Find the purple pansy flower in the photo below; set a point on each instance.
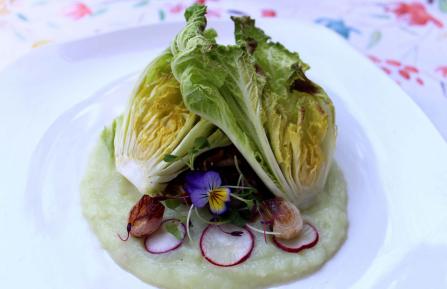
(205, 188)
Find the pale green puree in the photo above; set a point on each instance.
(107, 198)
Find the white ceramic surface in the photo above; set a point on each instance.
(56, 100)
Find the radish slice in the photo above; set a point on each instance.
(226, 245)
(162, 241)
(307, 238)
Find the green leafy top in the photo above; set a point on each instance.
(301, 116)
(228, 95)
(257, 93)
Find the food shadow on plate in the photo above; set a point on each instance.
(367, 206)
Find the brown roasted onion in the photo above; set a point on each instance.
(284, 215)
(145, 217)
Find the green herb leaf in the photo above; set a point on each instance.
(182, 219)
(201, 143)
(172, 228)
(247, 193)
(172, 204)
(170, 158)
(237, 219)
(249, 204)
(108, 137)
(190, 160)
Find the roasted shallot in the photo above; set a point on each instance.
(285, 217)
(145, 217)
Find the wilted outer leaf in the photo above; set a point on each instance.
(299, 117)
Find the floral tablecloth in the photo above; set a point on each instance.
(406, 39)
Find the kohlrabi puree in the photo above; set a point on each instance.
(107, 198)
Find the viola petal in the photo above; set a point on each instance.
(196, 180)
(218, 208)
(199, 200)
(221, 193)
(218, 199)
(199, 196)
(206, 180)
(199, 185)
(213, 179)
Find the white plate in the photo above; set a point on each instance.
(55, 101)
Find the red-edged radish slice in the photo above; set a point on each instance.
(226, 245)
(162, 241)
(307, 238)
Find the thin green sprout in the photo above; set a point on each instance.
(239, 198)
(262, 231)
(241, 175)
(239, 187)
(187, 222)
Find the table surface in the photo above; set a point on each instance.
(406, 39)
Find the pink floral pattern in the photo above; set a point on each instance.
(406, 39)
(442, 70)
(398, 71)
(268, 13)
(414, 14)
(78, 11)
(178, 8)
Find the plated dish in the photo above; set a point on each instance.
(223, 158)
(381, 134)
